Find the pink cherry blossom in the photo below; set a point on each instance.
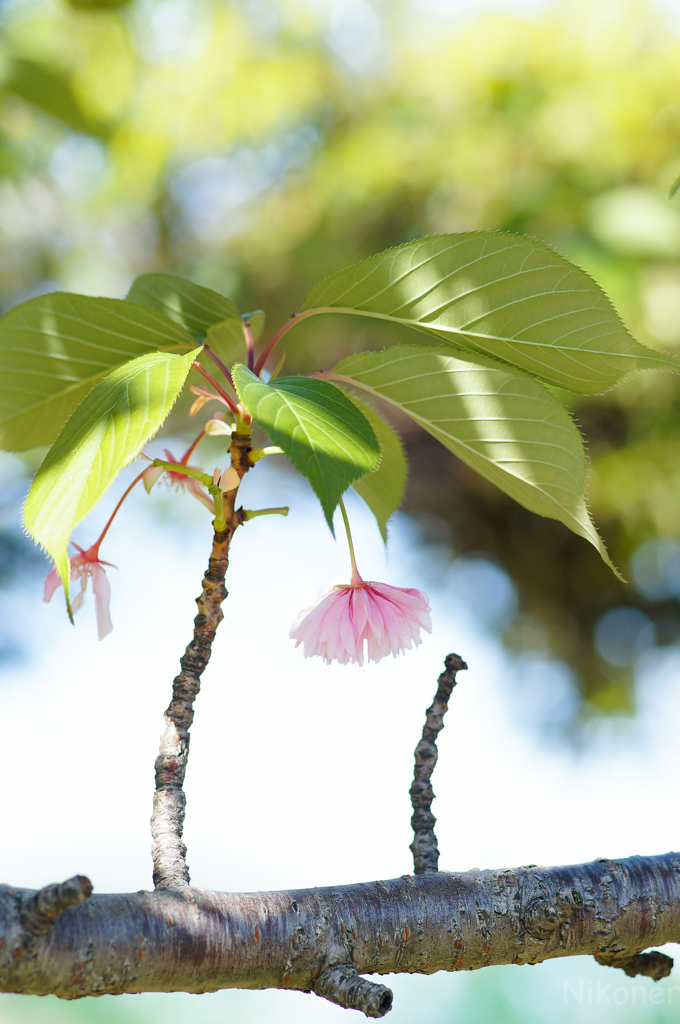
(83, 565)
(388, 618)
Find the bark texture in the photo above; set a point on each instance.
(170, 870)
(322, 940)
(424, 846)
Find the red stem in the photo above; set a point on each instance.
(250, 345)
(218, 388)
(218, 362)
(290, 322)
(192, 447)
(113, 515)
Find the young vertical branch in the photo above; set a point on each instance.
(170, 869)
(424, 846)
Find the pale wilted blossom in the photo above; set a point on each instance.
(83, 565)
(176, 479)
(227, 480)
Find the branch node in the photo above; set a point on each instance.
(543, 914)
(342, 985)
(424, 845)
(653, 965)
(42, 909)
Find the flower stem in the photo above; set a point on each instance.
(219, 522)
(113, 515)
(192, 447)
(254, 513)
(250, 345)
(356, 578)
(259, 453)
(179, 467)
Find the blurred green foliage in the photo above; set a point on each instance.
(258, 146)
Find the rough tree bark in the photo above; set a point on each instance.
(424, 846)
(63, 940)
(322, 940)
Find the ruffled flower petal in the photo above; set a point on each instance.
(389, 620)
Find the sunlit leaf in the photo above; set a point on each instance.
(55, 348)
(104, 434)
(319, 428)
(500, 422)
(507, 297)
(383, 489)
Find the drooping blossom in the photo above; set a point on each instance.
(389, 619)
(86, 564)
(177, 480)
(227, 480)
(83, 565)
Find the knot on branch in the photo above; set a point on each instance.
(543, 914)
(653, 965)
(42, 909)
(342, 985)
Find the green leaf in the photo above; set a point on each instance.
(227, 340)
(50, 91)
(99, 5)
(383, 489)
(104, 434)
(191, 305)
(500, 422)
(506, 297)
(256, 323)
(55, 348)
(319, 428)
(674, 187)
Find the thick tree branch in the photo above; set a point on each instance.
(424, 846)
(170, 869)
(320, 940)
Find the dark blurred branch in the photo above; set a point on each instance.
(424, 846)
(650, 965)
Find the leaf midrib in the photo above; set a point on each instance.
(475, 334)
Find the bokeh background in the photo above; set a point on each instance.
(256, 146)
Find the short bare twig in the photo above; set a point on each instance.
(424, 845)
